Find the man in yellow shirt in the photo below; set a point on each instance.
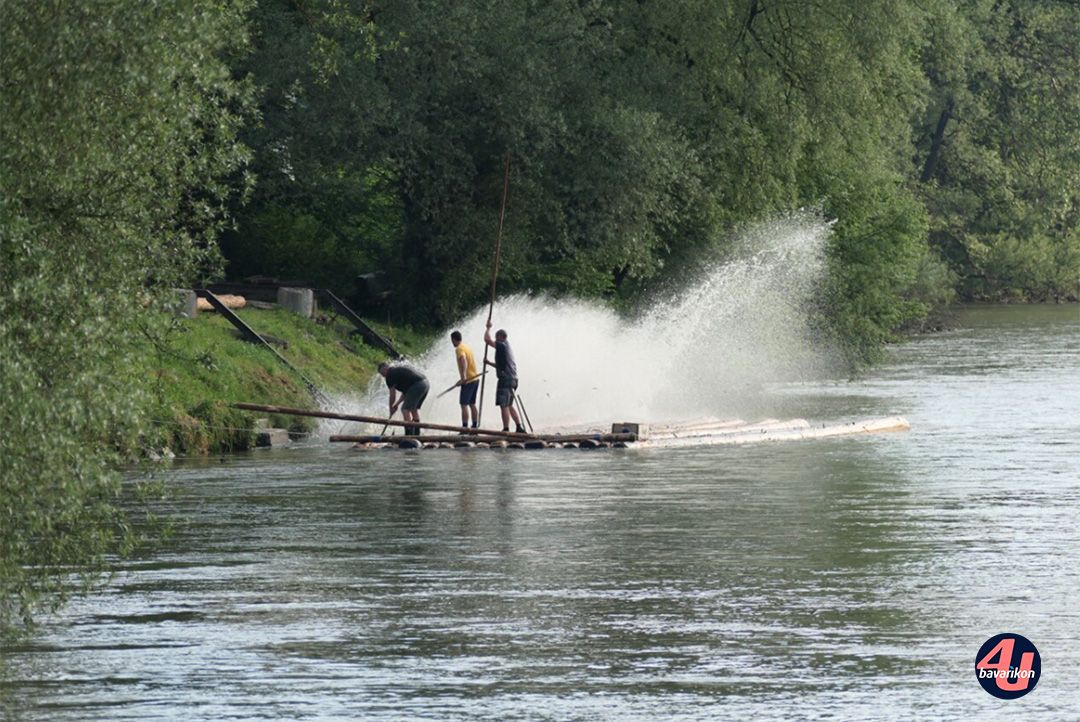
(470, 380)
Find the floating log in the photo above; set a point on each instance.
(375, 420)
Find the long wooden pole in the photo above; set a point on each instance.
(288, 411)
(484, 436)
(462, 383)
(387, 424)
(494, 276)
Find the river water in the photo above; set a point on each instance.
(835, 579)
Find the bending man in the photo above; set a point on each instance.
(413, 387)
(506, 371)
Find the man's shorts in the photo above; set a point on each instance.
(504, 392)
(414, 397)
(468, 393)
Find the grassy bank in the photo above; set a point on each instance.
(203, 365)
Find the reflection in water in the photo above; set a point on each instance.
(849, 578)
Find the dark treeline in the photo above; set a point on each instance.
(327, 138)
(943, 136)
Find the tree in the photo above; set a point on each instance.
(642, 133)
(1000, 145)
(118, 155)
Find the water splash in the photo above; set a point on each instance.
(708, 350)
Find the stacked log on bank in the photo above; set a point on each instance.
(230, 301)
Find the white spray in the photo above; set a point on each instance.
(708, 350)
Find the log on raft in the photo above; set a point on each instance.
(288, 411)
(483, 437)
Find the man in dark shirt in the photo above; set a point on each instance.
(413, 387)
(506, 371)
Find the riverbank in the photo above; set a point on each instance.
(203, 365)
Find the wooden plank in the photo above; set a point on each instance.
(369, 334)
(227, 313)
(251, 335)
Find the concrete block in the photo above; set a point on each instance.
(272, 437)
(631, 427)
(298, 300)
(186, 304)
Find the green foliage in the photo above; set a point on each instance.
(1000, 145)
(326, 241)
(640, 134)
(428, 99)
(876, 252)
(118, 155)
(325, 209)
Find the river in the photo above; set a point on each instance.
(837, 579)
